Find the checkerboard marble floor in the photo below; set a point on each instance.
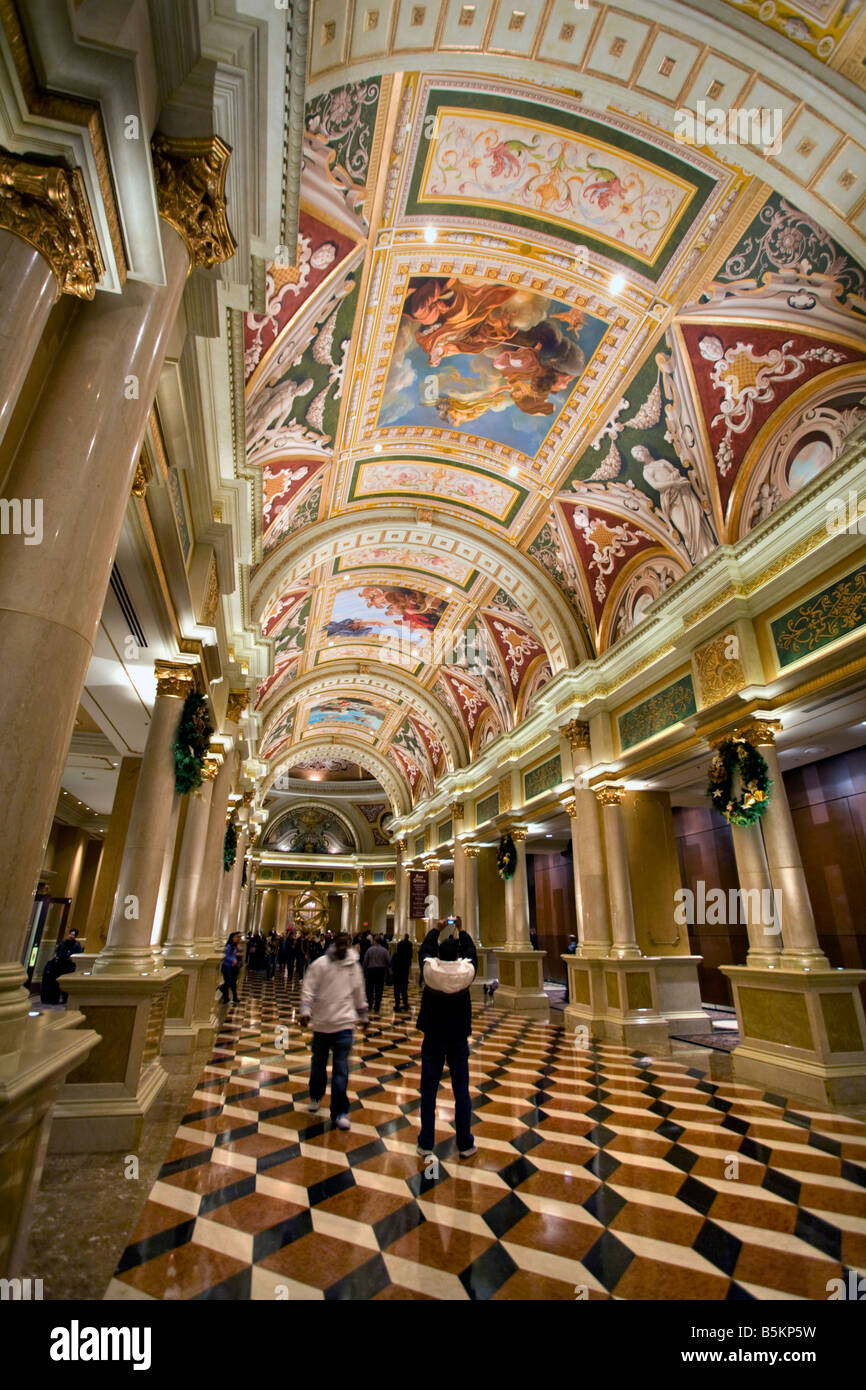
(597, 1171)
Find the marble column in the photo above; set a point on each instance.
(359, 902)
(79, 456)
(46, 248)
(588, 865)
(182, 921)
(213, 873)
(128, 947)
(345, 922)
(457, 810)
(800, 946)
(469, 909)
(401, 894)
(754, 877)
(232, 914)
(623, 938)
(432, 904)
(519, 967)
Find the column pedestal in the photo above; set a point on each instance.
(191, 1009)
(618, 1000)
(521, 981)
(803, 1033)
(105, 1099)
(679, 993)
(29, 1083)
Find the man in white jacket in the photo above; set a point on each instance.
(332, 996)
(445, 1019)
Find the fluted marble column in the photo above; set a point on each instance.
(800, 945)
(588, 865)
(517, 897)
(754, 877)
(623, 938)
(128, 946)
(401, 894)
(345, 920)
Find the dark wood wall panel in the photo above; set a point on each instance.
(552, 911)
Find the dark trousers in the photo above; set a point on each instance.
(375, 982)
(401, 992)
(434, 1056)
(341, 1045)
(230, 983)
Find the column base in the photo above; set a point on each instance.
(803, 1033)
(29, 1084)
(104, 1101)
(521, 982)
(191, 1020)
(617, 1000)
(679, 993)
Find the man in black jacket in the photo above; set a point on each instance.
(445, 1019)
(401, 964)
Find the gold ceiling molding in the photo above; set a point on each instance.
(718, 675)
(190, 192)
(70, 111)
(46, 205)
(174, 679)
(142, 477)
(727, 592)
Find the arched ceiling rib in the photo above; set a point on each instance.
(532, 394)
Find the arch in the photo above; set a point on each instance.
(376, 680)
(533, 590)
(338, 813)
(389, 778)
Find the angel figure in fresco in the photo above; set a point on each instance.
(520, 356)
(417, 610)
(353, 627)
(680, 504)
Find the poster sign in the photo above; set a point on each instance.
(417, 893)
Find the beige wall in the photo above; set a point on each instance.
(491, 900)
(655, 873)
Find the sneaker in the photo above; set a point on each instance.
(467, 1153)
(424, 1153)
(343, 1122)
(313, 1107)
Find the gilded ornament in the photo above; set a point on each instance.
(609, 796)
(519, 833)
(209, 770)
(190, 190)
(571, 808)
(141, 479)
(719, 675)
(212, 595)
(759, 731)
(505, 794)
(471, 851)
(174, 679)
(46, 205)
(457, 809)
(237, 703)
(576, 731)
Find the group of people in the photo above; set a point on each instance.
(335, 995)
(342, 985)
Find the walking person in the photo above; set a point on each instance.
(445, 1019)
(332, 999)
(377, 962)
(401, 966)
(231, 964)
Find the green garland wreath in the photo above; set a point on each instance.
(506, 858)
(191, 743)
(738, 755)
(230, 847)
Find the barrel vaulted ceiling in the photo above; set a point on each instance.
(532, 362)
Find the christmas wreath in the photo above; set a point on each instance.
(191, 743)
(506, 858)
(738, 755)
(230, 847)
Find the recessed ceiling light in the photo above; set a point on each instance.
(617, 284)
(430, 234)
(448, 588)
(549, 835)
(377, 448)
(514, 470)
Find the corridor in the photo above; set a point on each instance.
(599, 1174)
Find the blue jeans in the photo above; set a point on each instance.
(434, 1055)
(323, 1044)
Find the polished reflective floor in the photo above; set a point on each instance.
(599, 1174)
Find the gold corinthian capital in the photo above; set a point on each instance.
(190, 192)
(46, 205)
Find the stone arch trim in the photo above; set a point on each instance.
(391, 683)
(519, 575)
(319, 804)
(386, 773)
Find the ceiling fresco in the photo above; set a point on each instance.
(531, 364)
